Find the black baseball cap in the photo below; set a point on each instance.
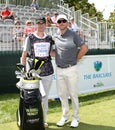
(41, 19)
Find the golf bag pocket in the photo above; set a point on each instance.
(32, 115)
(31, 96)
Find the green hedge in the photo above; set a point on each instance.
(8, 62)
(100, 51)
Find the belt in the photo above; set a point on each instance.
(67, 66)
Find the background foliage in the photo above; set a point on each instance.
(82, 5)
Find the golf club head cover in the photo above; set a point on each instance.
(20, 67)
(38, 64)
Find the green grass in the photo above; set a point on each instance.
(97, 112)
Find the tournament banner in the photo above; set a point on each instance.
(96, 73)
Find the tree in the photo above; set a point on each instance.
(85, 7)
(112, 16)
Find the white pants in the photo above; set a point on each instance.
(46, 81)
(67, 86)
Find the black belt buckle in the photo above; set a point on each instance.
(67, 66)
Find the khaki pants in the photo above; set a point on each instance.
(67, 87)
(46, 81)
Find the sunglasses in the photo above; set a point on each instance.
(62, 21)
(29, 23)
(40, 23)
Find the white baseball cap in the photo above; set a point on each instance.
(61, 16)
(71, 18)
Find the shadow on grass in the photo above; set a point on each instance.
(85, 99)
(82, 126)
(9, 96)
(82, 98)
(96, 95)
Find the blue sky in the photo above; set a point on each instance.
(105, 6)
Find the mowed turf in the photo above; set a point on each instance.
(96, 116)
